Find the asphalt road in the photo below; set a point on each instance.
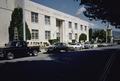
(101, 64)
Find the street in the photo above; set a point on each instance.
(86, 65)
(32, 58)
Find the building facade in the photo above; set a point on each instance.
(44, 23)
(6, 8)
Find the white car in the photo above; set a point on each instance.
(75, 46)
(103, 45)
(87, 45)
(95, 45)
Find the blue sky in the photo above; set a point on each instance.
(70, 7)
(66, 6)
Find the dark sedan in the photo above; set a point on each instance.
(58, 47)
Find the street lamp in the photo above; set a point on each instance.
(24, 29)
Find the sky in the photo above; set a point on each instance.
(70, 7)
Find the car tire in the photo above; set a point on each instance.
(35, 53)
(10, 56)
(29, 54)
(77, 49)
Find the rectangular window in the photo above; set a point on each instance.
(47, 20)
(76, 26)
(58, 35)
(47, 35)
(58, 23)
(35, 34)
(70, 24)
(76, 36)
(34, 17)
(81, 26)
(70, 36)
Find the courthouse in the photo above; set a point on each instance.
(43, 22)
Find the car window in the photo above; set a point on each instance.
(13, 44)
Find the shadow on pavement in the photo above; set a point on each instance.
(67, 66)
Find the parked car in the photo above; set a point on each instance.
(87, 45)
(95, 45)
(75, 46)
(58, 47)
(103, 45)
(18, 48)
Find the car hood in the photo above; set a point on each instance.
(51, 46)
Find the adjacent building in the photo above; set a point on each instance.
(44, 23)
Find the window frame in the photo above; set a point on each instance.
(35, 34)
(34, 17)
(81, 27)
(76, 26)
(47, 35)
(70, 24)
(47, 20)
(85, 28)
(70, 36)
(76, 36)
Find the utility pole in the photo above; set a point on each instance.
(24, 29)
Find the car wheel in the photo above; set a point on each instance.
(29, 54)
(77, 49)
(63, 51)
(66, 50)
(35, 53)
(10, 56)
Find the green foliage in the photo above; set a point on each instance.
(102, 10)
(90, 34)
(52, 41)
(83, 37)
(17, 21)
(28, 34)
(100, 34)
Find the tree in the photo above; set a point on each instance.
(52, 41)
(105, 10)
(100, 34)
(17, 22)
(90, 34)
(83, 37)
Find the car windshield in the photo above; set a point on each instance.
(87, 43)
(72, 44)
(12, 44)
(60, 44)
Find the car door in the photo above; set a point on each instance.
(23, 48)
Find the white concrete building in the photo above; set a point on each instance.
(6, 8)
(44, 23)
